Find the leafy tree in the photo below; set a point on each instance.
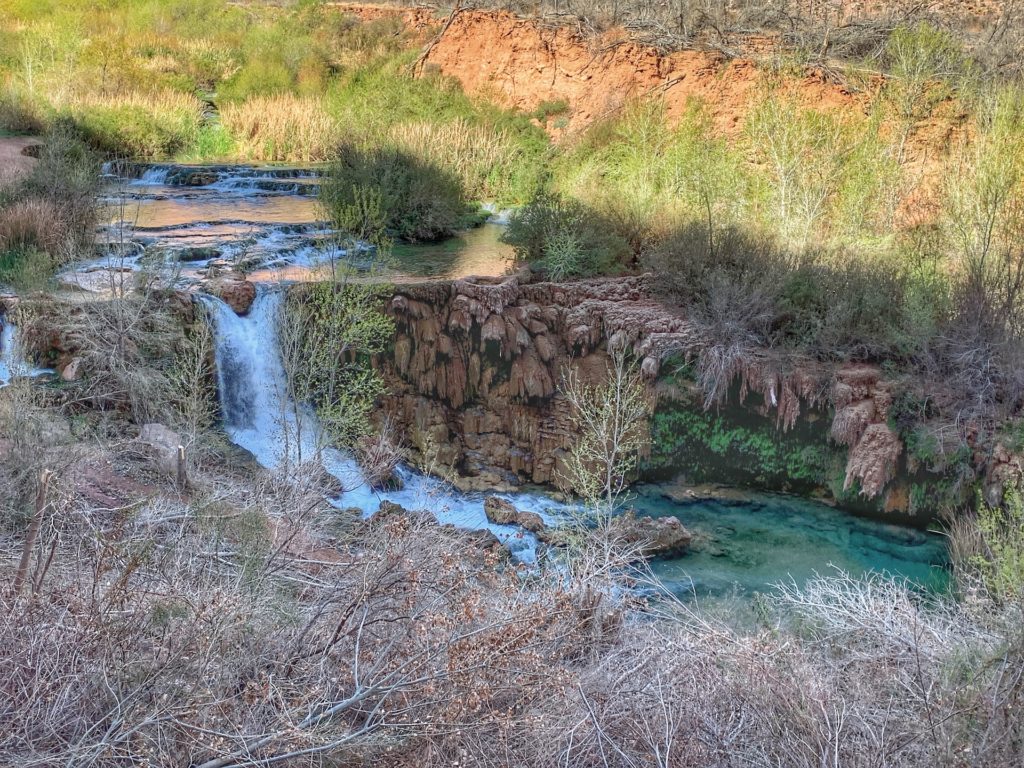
(381, 190)
(565, 239)
(331, 330)
(612, 418)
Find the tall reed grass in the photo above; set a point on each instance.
(485, 158)
(281, 128)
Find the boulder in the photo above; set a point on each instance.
(653, 536)
(502, 512)
(73, 370)
(388, 508)
(485, 541)
(237, 294)
(499, 511)
(161, 443)
(198, 253)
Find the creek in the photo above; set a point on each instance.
(266, 221)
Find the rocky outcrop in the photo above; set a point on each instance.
(474, 379)
(502, 512)
(526, 62)
(162, 445)
(482, 540)
(237, 294)
(651, 536)
(640, 536)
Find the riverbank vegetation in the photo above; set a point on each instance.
(884, 231)
(48, 218)
(166, 601)
(213, 80)
(319, 636)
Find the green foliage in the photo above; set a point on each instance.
(564, 239)
(497, 154)
(368, 192)
(49, 217)
(925, 63)
(645, 176)
(710, 447)
(1001, 559)
(548, 109)
(138, 66)
(25, 269)
(332, 329)
(137, 131)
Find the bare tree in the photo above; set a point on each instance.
(612, 418)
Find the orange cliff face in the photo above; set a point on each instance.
(521, 63)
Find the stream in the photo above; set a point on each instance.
(206, 220)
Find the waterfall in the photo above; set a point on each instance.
(260, 417)
(154, 175)
(10, 363)
(12, 359)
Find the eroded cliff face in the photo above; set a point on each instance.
(474, 380)
(523, 63)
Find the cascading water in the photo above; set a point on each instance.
(751, 544)
(12, 360)
(10, 365)
(260, 417)
(195, 222)
(202, 222)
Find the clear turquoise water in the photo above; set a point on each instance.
(746, 546)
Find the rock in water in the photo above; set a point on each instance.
(499, 511)
(502, 512)
(654, 537)
(237, 294)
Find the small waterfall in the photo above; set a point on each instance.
(153, 175)
(251, 382)
(260, 417)
(11, 364)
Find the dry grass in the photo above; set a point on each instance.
(481, 156)
(30, 223)
(249, 623)
(164, 102)
(282, 128)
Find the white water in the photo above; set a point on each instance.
(10, 363)
(260, 417)
(12, 358)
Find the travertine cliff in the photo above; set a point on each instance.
(474, 379)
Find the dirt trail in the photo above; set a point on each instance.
(14, 162)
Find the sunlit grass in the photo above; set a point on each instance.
(281, 127)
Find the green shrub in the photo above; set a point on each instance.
(143, 125)
(563, 238)
(1000, 559)
(377, 191)
(67, 176)
(25, 268)
(19, 114)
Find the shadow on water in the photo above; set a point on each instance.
(477, 251)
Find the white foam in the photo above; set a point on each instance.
(260, 417)
(13, 364)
